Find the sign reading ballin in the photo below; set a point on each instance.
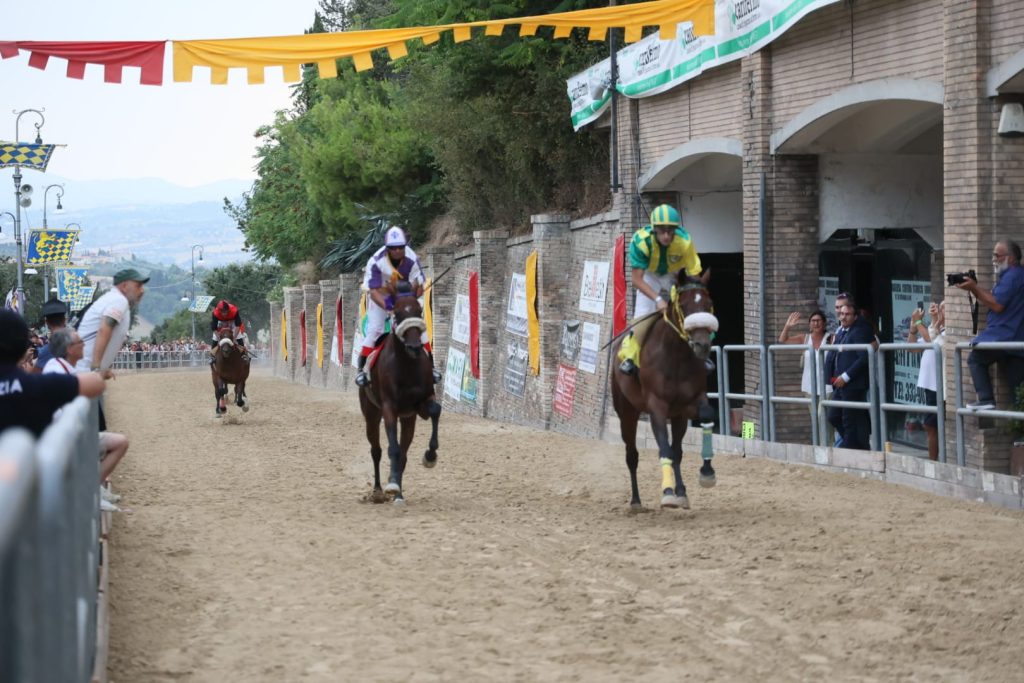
(594, 286)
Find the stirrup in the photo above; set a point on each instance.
(628, 367)
(362, 379)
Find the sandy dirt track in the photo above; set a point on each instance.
(248, 555)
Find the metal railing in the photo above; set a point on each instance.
(735, 396)
(938, 410)
(812, 401)
(871, 404)
(49, 548)
(132, 361)
(958, 380)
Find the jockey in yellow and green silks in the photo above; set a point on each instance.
(657, 252)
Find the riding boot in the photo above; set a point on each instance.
(433, 370)
(362, 379)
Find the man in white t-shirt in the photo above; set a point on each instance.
(105, 325)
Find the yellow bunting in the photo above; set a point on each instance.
(668, 31)
(532, 320)
(324, 48)
(319, 335)
(397, 50)
(255, 75)
(328, 68)
(292, 73)
(363, 61)
(284, 336)
(428, 308)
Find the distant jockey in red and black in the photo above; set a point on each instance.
(226, 314)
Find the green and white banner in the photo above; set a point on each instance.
(652, 66)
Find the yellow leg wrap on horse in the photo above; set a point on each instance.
(668, 477)
(630, 349)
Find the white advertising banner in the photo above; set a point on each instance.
(652, 66)
(594, 286)
(515, 313)
(460, 320)
(455, 365)
(588, 347)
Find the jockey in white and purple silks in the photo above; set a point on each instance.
(393, 263)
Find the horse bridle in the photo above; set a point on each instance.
(692, 321)
(407, 323)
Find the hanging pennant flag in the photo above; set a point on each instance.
(532, 319)
(200, 304)
(428, 308)
(27, 154)
(619, 286)
(324, 49)
(15, 301)
(474, 324)
(357, 337)
(302, 337)
(338, 338)
(68, 282)
(50, 246)
(146, 55)
(284, 335)
(320, 335)
(83, 298)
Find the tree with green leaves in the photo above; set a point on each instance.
(247, 286)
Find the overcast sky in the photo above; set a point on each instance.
(186, 133)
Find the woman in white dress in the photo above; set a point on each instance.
(813, 338)
(935, 332)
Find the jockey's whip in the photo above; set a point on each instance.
(434, 281)
(629, 328)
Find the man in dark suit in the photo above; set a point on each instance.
(847, 371)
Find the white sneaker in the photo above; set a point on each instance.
(108, 495)
(107, 506)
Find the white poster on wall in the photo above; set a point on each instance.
(515, 313)
(460, 320)
(828, 290)
(589, 346)
(594, 286)
(454, 367)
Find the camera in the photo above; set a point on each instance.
(958, 278)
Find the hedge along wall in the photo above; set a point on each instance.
(574, 274)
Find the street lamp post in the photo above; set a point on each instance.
(17, 198)
(193, 305)
(46, 267)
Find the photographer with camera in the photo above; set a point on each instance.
(1004, 322)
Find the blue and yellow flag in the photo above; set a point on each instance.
(29, 154)
(51, 246)
(83, 298)
(69, 280)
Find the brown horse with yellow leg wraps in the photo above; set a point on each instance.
(671, 385)
(229, 366)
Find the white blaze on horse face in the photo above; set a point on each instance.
(696, 299)
(225, 343)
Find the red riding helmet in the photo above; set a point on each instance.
(225, 310)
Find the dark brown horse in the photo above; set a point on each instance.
(229, 367)
(670, 386)
(401, 387)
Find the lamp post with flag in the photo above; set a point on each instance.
(17, 154)
(193, 304)
(46, 196)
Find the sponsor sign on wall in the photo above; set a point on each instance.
(565, 391)
(516, 359)
(588, 348)
(907, 295)
(454, 367)
(515, 313)
(569, 349)
(594, 286)
(460, 319)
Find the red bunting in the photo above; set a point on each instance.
(619, 286)
(147, 55)
(474, 323)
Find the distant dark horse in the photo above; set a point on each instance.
(670, 385)
(401, 387)
(228, 367)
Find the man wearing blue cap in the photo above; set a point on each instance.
(105, 325)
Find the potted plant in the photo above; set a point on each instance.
(1017, 432)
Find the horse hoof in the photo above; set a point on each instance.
(670, 500)
(399, 502)
(245, 407)
(378, 496)
(218, 415)
(707, 481)
(392, 487)
(429, 462)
